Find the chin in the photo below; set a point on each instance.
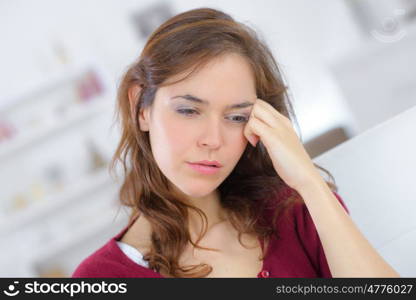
(197, 193)
(197, 190)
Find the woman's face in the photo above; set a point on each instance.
(183, 129)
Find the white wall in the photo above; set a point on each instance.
(378, 79)
(304, 36)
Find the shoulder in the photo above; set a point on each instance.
(298, 214)
(292, 206)
(300, 210)
(101, 263)
(110, 261)
(297, 250)
(308, 237)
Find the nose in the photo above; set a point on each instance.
(212, 136)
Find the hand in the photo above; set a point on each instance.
(289, 157)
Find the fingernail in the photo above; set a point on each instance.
(249, 140)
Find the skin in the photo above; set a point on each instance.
(210, 132)
(209, 135)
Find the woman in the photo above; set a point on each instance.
(204, 202)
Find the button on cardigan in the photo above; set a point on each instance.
(297, 252)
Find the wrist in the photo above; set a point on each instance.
(315, 185)
(310, 179)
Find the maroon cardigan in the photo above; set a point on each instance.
(297, 253)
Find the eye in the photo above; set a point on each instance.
(191, 112)
(186, 111)
(240, 119)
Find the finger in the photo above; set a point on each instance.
(274, 112)
(260, 112)
(256, 129)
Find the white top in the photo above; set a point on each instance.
(133, 254)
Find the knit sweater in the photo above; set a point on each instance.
(297, 252)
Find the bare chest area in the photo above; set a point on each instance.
(228, 262)
(233, 259)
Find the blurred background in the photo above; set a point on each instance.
(350, 67)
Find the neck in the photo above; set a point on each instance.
(211, 206)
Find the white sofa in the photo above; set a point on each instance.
(376, 175)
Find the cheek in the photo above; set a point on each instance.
(239, 142)
(178, 134)
(173, 137)
(170, 137)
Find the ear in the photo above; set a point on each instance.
(134, 94)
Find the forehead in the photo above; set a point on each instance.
(227, 78)
(197, 100)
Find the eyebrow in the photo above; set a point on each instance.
(198, 100)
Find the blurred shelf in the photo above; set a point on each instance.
(73, 191)
(74, 119)
(17, 267)
(76, 238)
(44, 85)
(60, 220)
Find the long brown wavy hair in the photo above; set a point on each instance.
(188, 41)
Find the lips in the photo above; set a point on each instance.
(204, 168)
(214, 166)
(209, 163)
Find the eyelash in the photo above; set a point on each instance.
(186, 112)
